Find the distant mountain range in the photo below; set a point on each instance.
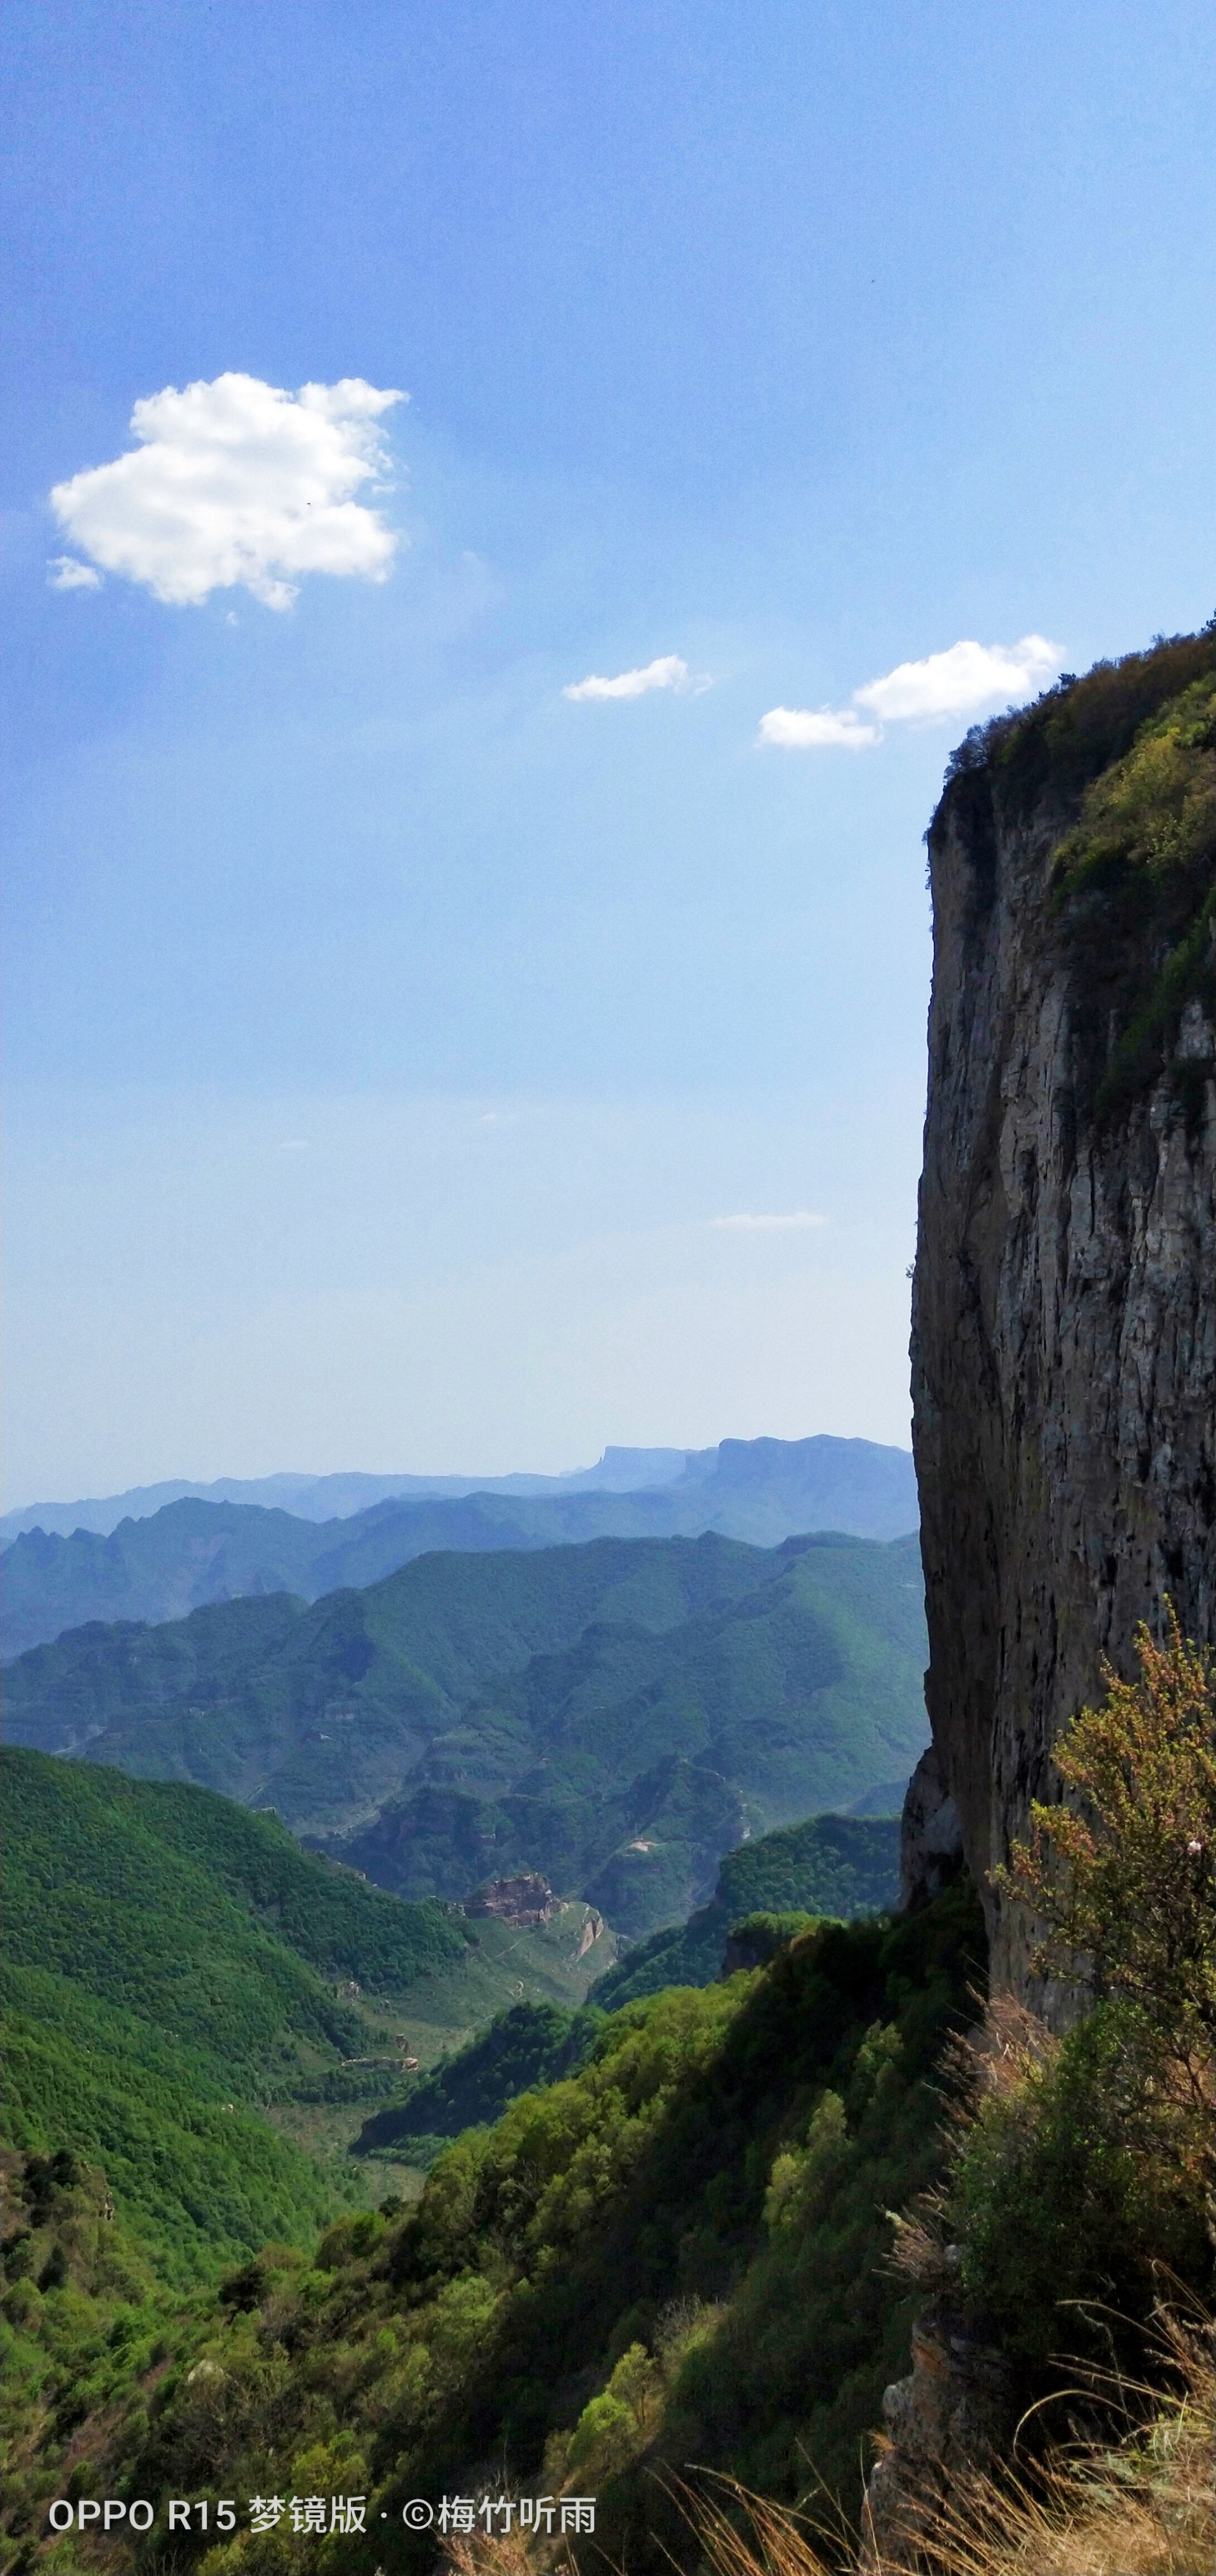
(617, 1714)
(190, 1546)
(326, 1498)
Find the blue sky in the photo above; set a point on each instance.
(389, 1033)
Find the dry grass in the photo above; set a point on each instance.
(505, 2553)
(1142, 2506)
(993, 2057)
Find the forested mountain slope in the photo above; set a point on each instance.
(770, 1889)
(192, 1551)
(841, 1866)
(170, 1963)
(677, 2254)
(174, 1964)
(617, 1715)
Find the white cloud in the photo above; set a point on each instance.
(64, 573)
(958, 682)
(667, 673)
(804, 729)
(236, 482)
(794, 1223)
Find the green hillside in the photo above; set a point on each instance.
(827, 1866)
(530, 2044)
(174, 2046)
(841, 1866)
(627, 1764)
(196, 2175)
(318, 1711)
(677, 2253)
(204, 1920)
(618, 1715)
(172, 1972)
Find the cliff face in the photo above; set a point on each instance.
(1064, 1319)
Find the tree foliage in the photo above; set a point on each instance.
(1083, 2165)
(678, 2252)
(1123, 1882)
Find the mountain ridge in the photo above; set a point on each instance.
(617, 1470)
(193, 1550)
(617, 1714)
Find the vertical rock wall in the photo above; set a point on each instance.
(1064, 1318)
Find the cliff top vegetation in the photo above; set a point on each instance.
(1118, 770)
(1079, 726)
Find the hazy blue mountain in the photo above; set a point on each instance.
(323, 1498)
(616, 1714)
(779, 1486)
(193, 1551)
(188, 1553)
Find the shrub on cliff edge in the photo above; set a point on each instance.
(1083, 2164)
(1123, 1884)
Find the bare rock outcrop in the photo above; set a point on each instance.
(1064, 1319)
(523, 1900)
(949, 2418)
(931, 1842)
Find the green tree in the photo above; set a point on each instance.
(1123, 1883)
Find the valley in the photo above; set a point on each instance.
(190, 1999)
(617, 1714)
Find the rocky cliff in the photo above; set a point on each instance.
(1064, 1319)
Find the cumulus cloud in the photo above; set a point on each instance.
(958, 682)
(807, 729)
(64, 572)
(794, 1223)
(236, 482)
(669, 672)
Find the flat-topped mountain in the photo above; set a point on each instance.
(616, 1715)
(195, 1549)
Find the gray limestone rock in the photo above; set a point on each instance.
(931, 1842)
(950, 2418)
(1064, 1332)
